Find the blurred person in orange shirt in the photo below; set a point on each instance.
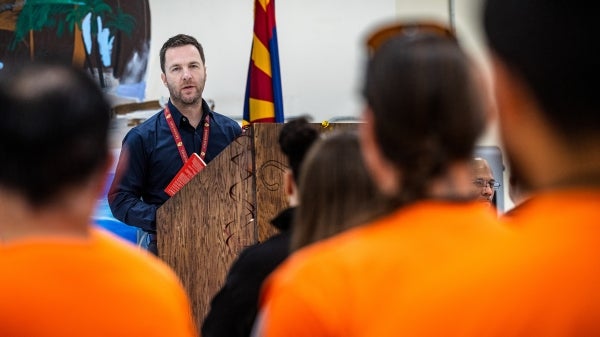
(424, 111)
(61, 276)
(542, 280)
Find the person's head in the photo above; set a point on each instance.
(423, 110)
(295, 138)
(183, 69)
(336, 191)
(53, 132)
(484, 183)
(546, 78)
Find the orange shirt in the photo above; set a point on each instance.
(88, 287)
(350, 285)
(544, 280)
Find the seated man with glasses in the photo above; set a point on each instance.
(484, 185)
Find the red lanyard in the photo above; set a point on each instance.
(177, 136)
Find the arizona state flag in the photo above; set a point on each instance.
(263, 102)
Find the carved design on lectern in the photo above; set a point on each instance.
(271, 181)
(240, 160)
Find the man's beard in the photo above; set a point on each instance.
(177, 97)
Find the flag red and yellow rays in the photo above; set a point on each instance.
(263, 102)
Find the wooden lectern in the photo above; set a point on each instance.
(225, 208)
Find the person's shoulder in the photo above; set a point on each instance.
(144, 130)
(267, 254)
(312, 275)
(276, 242)
(150, 123)
(136, 260)
(557, 208)
(325, 257)
(224, 120)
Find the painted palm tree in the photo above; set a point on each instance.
(37, 15)
(96, 9)
(118, 22)
(62, 15)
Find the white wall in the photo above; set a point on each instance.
(319, 43)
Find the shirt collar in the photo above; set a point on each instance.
(283, 220)
(177, 114)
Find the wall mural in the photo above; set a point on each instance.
(108, 38)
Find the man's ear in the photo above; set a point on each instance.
(522, 130)
(485, 87)
(517, 106)
(288, 182)
(290, 189)
(507, 93)
(104, 174)
(163, 77)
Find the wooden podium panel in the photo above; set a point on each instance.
(269, 165)
(225, 208)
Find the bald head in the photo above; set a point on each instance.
(483, 180)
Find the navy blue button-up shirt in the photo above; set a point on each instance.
(149, 160)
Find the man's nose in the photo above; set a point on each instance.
(487, 190)
(186, 74)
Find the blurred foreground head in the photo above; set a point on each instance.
(546, 75)
(53, 130)
(423, 112)
(554, 61)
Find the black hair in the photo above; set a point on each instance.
(295, 138)
(427, 111)
(53, 130)
(549, 45)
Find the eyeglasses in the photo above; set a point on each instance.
(481, 183)
(407, 29)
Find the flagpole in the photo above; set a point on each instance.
(451, 15)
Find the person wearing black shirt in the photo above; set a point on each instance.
(234, 308)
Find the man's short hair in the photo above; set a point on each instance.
(549, 44)
(178, 41)
(53, 130)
